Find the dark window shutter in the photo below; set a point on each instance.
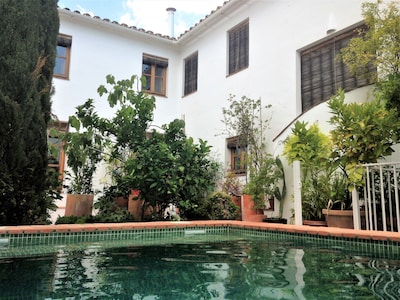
(323, 72)
(191, 64)
(238, 39)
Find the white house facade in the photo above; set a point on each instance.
(253, 48)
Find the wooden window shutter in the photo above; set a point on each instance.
(323, 72)
(191, 65)
(239, 47)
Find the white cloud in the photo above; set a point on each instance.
(82, 10)
(152, 14)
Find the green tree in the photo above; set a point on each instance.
(172, 168)
(165, 168)
(27, 51)
(362, 133)
(244, 119)
(378, 44)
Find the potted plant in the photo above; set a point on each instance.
(312, 148)
(362, 133)
(246, 120)
(266, 183)
(83, 150)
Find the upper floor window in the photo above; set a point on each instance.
(61, 67)
(323, 72)
(154, 69)
(238, 47)
(190, 84)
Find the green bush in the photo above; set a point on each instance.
(219, 206)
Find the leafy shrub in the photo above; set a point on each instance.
(219, 206)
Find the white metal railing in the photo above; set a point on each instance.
(381, 196)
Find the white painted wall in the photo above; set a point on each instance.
(278, 29)
(100, 48)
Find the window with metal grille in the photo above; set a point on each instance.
(238, 153)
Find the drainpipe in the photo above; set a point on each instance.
(171, 12)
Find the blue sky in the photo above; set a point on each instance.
(146, 14)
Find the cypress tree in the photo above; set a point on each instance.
(28, 39)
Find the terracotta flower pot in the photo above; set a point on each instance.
(341, 218)
(79, 205)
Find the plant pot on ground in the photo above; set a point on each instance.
(267, 183)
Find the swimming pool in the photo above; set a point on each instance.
(199, 263)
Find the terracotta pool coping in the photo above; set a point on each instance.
(311, 230)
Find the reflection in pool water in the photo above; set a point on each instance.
(234, 269)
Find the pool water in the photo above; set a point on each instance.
(231, 269)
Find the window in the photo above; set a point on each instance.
(155, 71)
(323, 72)
(237, 155)
(190, 85)
(61, 67)
(56, 155)
(238, 45)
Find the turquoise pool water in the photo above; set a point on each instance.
(203, 267)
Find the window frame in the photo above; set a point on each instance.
(238, 39)
(190, 83)
(65, 41)
(322, 72)
(155, 62)
(233, 144)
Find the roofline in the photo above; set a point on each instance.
(67, 13)
(193, 32)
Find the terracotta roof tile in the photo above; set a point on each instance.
(149, 31)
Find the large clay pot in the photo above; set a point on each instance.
(121, 202)
(79, 205)
(341, 218)
(320, 223)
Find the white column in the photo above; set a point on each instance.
(298, 217)
(356, 209)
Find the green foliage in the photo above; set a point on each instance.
(268, 180)
(378, 45)
(362, 133)
(221, 207)
(232, 185)
(27, 47)
(308, 145)
(127, 129)
(96, 138)
(244, 119)
(84, 152)
(119, 216)
(171, 168)
(319, 178)
(73, 220)
(165, 168)
(320, 188)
